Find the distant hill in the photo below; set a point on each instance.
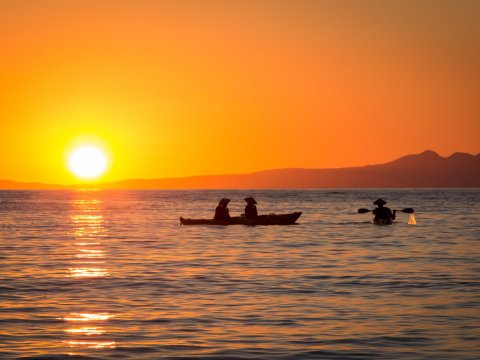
(425, 170)
(17, 185)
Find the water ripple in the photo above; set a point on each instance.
(112, 275)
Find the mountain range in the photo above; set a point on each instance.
(425, 170)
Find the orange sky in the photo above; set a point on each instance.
(178, 88)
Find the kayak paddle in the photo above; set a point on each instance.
(406, 210)
(363, 211)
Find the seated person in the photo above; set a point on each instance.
(221, 212)
(381, 212)
(251, 209)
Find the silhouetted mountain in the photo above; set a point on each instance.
(427, 169)
(17, 185)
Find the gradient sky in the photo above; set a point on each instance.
(178, 88)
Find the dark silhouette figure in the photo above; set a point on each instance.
(251, 209)
(221, 212)
(381, 212)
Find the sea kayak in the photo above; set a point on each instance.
(272, 219)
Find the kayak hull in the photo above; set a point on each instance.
(382, 222)
(274, 219)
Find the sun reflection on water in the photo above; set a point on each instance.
(86, 330)
(90, 263)
(88, 230)
(88, 272)
(88, 317)
(91, 344)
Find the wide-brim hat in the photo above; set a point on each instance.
(224, 201)
(379, 202)
(250, 200)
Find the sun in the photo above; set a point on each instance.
(87, 162)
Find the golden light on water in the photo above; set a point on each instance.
(88, 229)
(89, 256)
(86, 202)
(88, 262)
(95, 252)
(86, 330)
(87, 218)
(91, 344)
(88, 272)
(88, 316)
(87, 225)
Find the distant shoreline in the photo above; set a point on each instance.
(248, 190)
(422, 171)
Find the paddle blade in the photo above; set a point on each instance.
(411, 220)
(408, 210)
(363, 211)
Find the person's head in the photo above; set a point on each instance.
(224, 202)
(250, 201)
(379, 202)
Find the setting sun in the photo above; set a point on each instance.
(87, 162)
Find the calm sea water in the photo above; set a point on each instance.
(112, 275)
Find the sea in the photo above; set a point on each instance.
(111, 274)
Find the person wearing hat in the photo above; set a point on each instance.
(251, 209)
(221, 212)
(382, 212)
